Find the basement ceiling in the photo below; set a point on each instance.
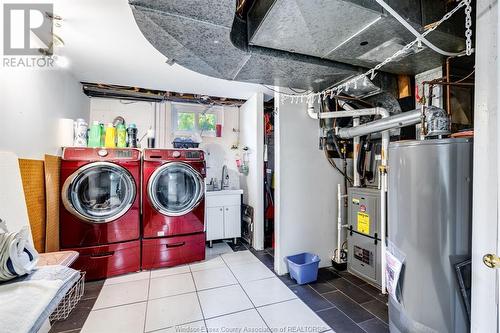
(309, 44)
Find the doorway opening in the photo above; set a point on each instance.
(269, 113)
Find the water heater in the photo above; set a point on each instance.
(429, 230)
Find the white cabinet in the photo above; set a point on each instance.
(223, 214)
(215, 223)
(232, 221)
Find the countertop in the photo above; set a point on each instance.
(224, 192)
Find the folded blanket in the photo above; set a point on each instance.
(27, 302)
(17, 255)
(21, 304)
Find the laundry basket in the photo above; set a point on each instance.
(303, 267)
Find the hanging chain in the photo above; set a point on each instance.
(468, 30)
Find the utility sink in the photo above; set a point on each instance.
(224, 192)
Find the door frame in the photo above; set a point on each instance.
(485, 230)
(251, 135)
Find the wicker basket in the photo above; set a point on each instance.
(69, 301)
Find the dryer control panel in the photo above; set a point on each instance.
(174, 155)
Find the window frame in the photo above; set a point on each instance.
(197, 110)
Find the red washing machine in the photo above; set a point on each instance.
(173, 207)
(100, 210)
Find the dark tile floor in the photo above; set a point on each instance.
(75, 321)
(345, 302)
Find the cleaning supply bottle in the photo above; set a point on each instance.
(132, 136)
(121, 136)
(94, 135)
(110, 137)
(103, 134)
(151, 138)
(80, 133)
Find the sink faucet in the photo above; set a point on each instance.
(225, 178)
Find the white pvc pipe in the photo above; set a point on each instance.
(355, 147)
(310, 111)
(415, 32)
(383, 206)
(339, 222)
(350, 112)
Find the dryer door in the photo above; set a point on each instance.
(175, 189)
(99, 192)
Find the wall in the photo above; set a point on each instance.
(437, 90)
(142, 114)
(31, 102)
(252, 136)
(158, 115)
(305, 188)
(485, 225)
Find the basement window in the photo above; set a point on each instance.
(188, 119)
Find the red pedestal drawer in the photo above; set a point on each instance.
(109, 260)
(172, 251)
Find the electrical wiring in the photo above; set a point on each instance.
(274, 90)
(298, 92)
(466, 77)
(334, 165)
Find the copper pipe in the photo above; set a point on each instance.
(240, 7)
(456, 84)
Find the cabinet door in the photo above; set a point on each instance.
(215, 223)
(232, 221)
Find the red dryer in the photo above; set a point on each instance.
(100, 209)
(173, 207)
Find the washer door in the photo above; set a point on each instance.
(175, 189)
(99, 192)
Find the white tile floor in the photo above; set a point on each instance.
(227, 292)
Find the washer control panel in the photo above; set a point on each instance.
(97, 154)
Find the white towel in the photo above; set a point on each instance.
(21, 304)
(17, 255)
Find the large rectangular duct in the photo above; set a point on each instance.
(357, 32)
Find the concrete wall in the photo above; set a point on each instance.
(305, 188)
(31, 103)
(252, 136)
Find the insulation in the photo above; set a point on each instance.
(203, 36)
(308, 44)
